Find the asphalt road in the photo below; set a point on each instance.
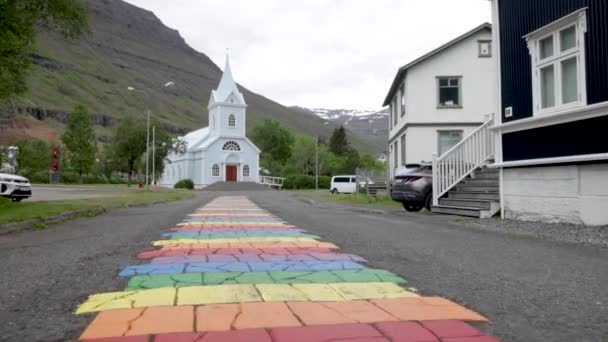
(531, 289)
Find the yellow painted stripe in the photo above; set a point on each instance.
(225, 294)
(240, 223)
(248, 239)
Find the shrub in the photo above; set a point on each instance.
(305, 182)
(185, 184)
(41, 177)
(70, 178)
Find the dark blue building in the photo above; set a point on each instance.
(552, 113)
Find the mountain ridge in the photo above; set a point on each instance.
(130, 46)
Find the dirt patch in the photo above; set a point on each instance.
(14, 129)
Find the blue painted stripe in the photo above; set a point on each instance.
(295, 266)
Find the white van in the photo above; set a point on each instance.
(343, 184)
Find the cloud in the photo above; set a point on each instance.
(318, 53)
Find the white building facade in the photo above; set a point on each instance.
(221, 151)
(438, 99)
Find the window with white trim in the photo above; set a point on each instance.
(449, 91)
(395, 110)
(402, 98)
(231, 120)
(246, 170)
(446, 140)
(215, 170)
(558, 64)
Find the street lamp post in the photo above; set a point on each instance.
(153, 155)
(166, 85)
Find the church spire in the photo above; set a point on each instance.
(227, 84)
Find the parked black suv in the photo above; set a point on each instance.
(415, 189)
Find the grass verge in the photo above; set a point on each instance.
(356, 199)
(25, 211)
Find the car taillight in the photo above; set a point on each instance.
(409, 179)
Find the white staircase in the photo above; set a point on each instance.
(462, 184)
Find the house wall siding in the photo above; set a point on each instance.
(563, 140)
(520, 17)
(569, 193)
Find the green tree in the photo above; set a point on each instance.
(79, 141)
(128, 145)
(276, 143)
(368, 162)
(18, 22)
(303, 158)
(34, 157)
(164, 144)
(351, 161)
(338, 143)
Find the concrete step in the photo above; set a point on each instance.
(462, 211)
(477, 188)
(466, 202)
(474, 195)
(455, 210)
(481, 181)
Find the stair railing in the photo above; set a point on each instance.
(461, 160)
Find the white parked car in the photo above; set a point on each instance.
(343, 184)
(15, 187)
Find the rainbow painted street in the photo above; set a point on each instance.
(234, 272)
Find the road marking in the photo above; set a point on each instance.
(231, 270)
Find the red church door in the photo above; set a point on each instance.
(230, 173)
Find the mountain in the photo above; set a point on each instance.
(129, 46)
(368, 125)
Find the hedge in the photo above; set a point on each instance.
(305, 182)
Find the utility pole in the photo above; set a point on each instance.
(317, 163)
(147, 151)
(153, 154)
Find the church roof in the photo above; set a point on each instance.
(195, 137)
(227, 87)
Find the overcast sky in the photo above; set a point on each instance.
(318, 53)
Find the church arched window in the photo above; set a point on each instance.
(246, 171)
(231, 120)
(231, 146)
(215, 170)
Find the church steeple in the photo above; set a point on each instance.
(227, 91)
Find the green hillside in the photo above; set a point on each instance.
(129, 46)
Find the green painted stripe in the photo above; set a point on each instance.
(225, 278)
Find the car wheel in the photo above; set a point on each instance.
(335, 191)
(16, 199)
(412, 208)
(428, 201)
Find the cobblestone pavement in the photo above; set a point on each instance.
(234, 272)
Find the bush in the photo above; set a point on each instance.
(70, 178)
(305, 182)
(41, 177)
(185, 184)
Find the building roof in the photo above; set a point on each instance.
(401, 72)
(227, 87)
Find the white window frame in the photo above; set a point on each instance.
(402, 98)
(214, 168)
(447, 131)
(578, 19)
(480, 43)
(439, 86)
(396, 110)
(231, 143)
(246, 168)
(231, 120)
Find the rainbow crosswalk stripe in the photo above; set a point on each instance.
(233, 272)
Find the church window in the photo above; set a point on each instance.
(231, 146)
(246, 171)
(231, 120)
(215, 170)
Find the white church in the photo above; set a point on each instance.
(220, 152)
